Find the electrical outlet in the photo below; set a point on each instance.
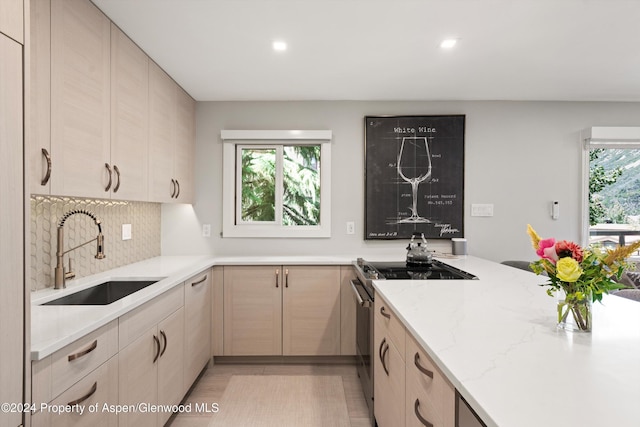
(351, 227)
(126, 231)
(206, 230)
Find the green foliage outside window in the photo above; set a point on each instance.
(300, 186)
(601, 177)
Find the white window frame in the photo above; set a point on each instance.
(235, 139)
(602, 137)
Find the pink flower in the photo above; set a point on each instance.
(565, 248)
(546, 249)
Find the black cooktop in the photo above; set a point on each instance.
(435, 271)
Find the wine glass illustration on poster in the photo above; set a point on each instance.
(414, 176)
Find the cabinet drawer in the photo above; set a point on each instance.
(390, 322)
(427, 384)
(98, 387)
(389, 381)
(77, 359)
(134, 324)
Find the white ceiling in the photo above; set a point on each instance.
(574, 50)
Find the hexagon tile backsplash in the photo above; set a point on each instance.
(46, 212)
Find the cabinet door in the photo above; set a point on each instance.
(311, 311)
(12, 19)
(252, 311)
(389, 380)
(11, 226)
(39, 148)
(129, 118)
(197, 331)
(80, 98)
(171, 363)
(162, 112)
(347, 312)
(138, 378)
(185, 141)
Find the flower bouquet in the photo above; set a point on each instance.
(583, 274)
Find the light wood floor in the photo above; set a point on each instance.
(212, 383)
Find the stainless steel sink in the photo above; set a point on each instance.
(104, 293)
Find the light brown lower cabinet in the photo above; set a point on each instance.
(281, 310)
(197, 325)
(409, 388)
(151, 368)
(388, 371)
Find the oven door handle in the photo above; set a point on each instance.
(355, 284)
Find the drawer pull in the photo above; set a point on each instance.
(422, 369)
(199, 281)
(286, 278)
(384, 340)
(384, 365)
(88, 350)
(117, 171)
(178, 185)
(164, 336)
(106, 165)
(46, 155)
(419, 416)
(384, 313)
(86, 396)
(277, 276)
(157, 341)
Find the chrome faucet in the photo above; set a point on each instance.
(60, 274)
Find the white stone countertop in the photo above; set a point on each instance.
(496, 340)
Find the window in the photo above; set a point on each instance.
(612, 186)
(276, 183)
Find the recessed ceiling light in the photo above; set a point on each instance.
(279, 46)
(448, 43)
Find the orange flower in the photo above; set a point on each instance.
(564, 248)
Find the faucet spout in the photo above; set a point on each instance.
(60, 275)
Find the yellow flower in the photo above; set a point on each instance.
(568, 269)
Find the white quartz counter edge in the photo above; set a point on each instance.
(496, 341)
(53, 327)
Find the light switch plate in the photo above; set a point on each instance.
(126, 231)
(351, 227)
(478, 209)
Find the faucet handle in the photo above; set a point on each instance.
(69, 274)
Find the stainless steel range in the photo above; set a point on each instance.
(367, 272)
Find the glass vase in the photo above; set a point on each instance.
(575, 314)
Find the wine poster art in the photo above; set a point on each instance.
(414, 172)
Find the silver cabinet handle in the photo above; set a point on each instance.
(86, 396)
(178, 184)
(416, 361)
(47, 175)
(199, 281)
(419, 416)
(164, 336)
(277, 276)
(157, 341)
(86, 351)
(106, 165)
(384, 313)
(115, 168)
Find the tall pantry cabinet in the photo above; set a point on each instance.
(12, 208)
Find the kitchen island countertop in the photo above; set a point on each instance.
(496, 340)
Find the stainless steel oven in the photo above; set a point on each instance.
(364, 339)
(366, 273)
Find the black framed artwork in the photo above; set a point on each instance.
(414, 176)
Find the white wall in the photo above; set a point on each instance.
(519, 156)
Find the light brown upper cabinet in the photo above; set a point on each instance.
(80, 99)
(171, 139)
(129, 118)
(11, 19)
(106, 122)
